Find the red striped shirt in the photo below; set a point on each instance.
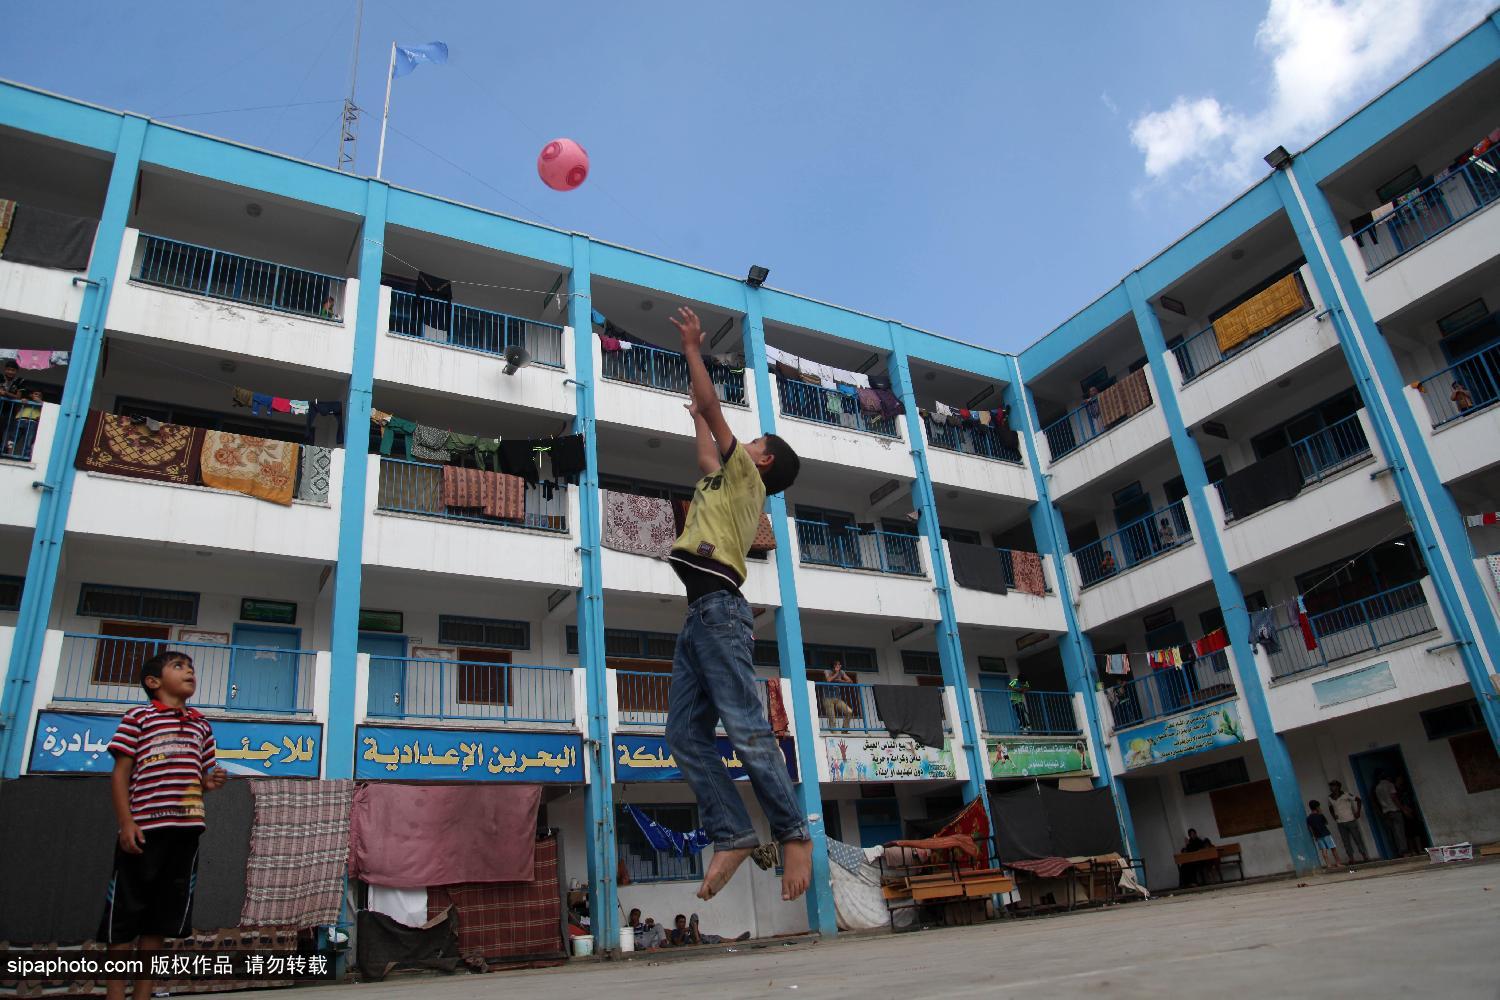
(172, 750)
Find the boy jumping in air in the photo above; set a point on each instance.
(164, 761)
(712, 675)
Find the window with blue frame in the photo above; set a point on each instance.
(920, 663)
(139, 604)
(492, 633)
(644, 862)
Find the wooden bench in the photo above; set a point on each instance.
(1215, 856)
(961, 893)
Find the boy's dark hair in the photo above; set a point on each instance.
(1313, 805)
(154, 666)
(784, 466)
(9, 364)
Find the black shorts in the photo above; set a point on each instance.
(152, 892)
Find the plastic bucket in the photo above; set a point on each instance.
(627, 939)
(583, 947)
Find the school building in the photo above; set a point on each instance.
(1215, 526)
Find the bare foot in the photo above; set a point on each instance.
(796, 868)
(721, 869)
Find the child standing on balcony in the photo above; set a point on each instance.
(164, 763)
(712, 675)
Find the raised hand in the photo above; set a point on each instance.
(688, 325)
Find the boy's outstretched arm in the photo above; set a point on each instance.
(709, 461)
(704, 397)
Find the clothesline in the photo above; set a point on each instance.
(479, 284)
(34, 360)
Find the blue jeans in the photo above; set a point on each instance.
(713, 680)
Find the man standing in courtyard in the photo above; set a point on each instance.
(1391, 817)
(1346, 811)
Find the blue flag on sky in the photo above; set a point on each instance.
(407, 56)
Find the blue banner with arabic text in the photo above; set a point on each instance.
(72, 743)
(402, 754)
(643, 757)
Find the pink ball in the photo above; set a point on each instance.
(563, 164)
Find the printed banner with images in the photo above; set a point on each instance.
(1028, 757)
(885, 758)
(1182, 735)
(389, 752)
(72, 743)
(641, 757)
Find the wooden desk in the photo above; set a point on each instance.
(1215, 856)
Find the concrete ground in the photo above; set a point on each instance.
(1407, 931)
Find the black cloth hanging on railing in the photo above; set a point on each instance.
(907, 710)
(978, 567)
(1273, 479)
(568, 459)
(50, 239)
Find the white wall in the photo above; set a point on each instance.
(866, 592)
(40, 292)
(1013, 609)
(1462, 446)
(875, 453)
(1429, 267)
(1141, 586)
(660, 411)
(979, 474)
(230, 328)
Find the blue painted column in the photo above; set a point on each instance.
(1289, 800)
(820, 911)
(1430, 507)
(57, 488)
(339, 733)
(599, 796)
(950, 646)
(1079, 663)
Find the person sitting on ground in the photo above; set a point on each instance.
(685, 932)
(649, 936)
(1193, 873)
(1317, 824)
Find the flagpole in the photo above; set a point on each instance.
(385, 116)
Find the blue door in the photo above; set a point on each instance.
(263, 670)
(879, 821)
(387, 673)
(994, 703)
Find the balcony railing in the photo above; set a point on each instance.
(1171, 690)
(1478, 378)
(18, 420)
(1116, 404)
(1201, 353)
(1430, 211)
(659, 368)
(849, 548)
(1322, 453)
(411, 688)
(848, 708)
(1371, 623)
(474, 329)
(408, 487)
(1043, 713)
(976, 440)
(222, 275)
(1137, 542)
(642, 696)
(829, 406)
(105, 670)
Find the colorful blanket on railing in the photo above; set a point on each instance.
(141, 449)
(494, 494)
(1127, 397)
(1027, 569)
(1260, 312)
(515, 920)
(642, 525)
(256, 467)
(317, 468)
(299, 845)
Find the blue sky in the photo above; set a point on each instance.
(981, 169)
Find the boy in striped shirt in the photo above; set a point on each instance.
(164, 762)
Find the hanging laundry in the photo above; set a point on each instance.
(379, 418)
(568, 457)
(1213, 642)
(491, 493)
(1309, 638)
(314, 476)
(299, 407)
(781, 725)
(50, 239)
(256, 467)
(663, 839)
(890, 406)
(280, 404)
(1478, 520)
(487, 453)
(122, 447)
(597, 317)
(329, 408)
(460, 446)
(1117, 664)
(427, 443)
(36, 361)
(7, 354)
(7, 215)
(986, 417)
(1026, 567)
(517, 459)
(1263, 630)
(636, 524)
(397, 427)
(260, 401)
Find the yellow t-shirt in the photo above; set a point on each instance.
(723, 517)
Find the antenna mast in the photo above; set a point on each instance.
(349, 127)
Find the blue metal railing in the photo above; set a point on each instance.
(976, 440)
(642, 696)
(105, 670)
(1200, 353)
(1371, 623)
(848, 708)
(474, 328)
(1430, 211)
(1137, 542)
(1045, 713)
(408, 487)
(1322, 453)
(1074, 429)
(849, 548)
(659, 368)
(18, 422)
(829, 406)
(1464, 387)
(222, 275)
(403, 687)
(1171, 690)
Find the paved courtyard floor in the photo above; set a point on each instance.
(1414, 932)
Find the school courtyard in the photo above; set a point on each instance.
(1381, 933)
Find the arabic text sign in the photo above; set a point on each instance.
(647, 758)
(388, 752)
(1025, 757)
(1181, 735)
(70, 743)
(883, 758)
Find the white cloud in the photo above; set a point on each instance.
(1325, 58)
(1109, 103)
